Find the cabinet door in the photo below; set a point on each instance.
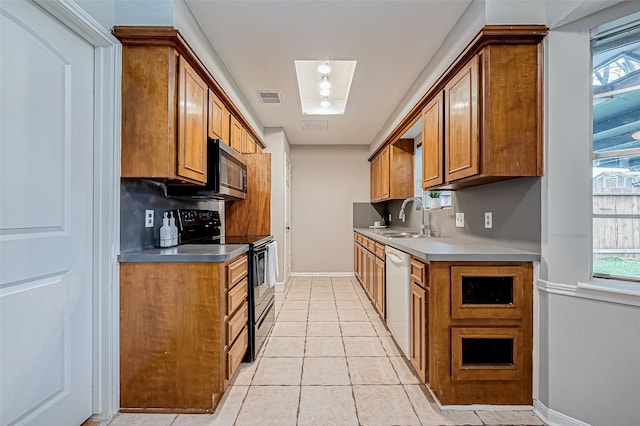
(355, 259)
(432, 144)
(235, 134)
(384, 183)
(375, 176)
(218, 119)
(418, 330)
(251, 144)
(192, 124)
(371, 264)
(243, 141)
(380, 286)
(461, 127)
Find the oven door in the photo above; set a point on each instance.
(262, 293)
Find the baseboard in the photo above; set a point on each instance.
(280, 287)
(322, 274)
(553, 417)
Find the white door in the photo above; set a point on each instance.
(287, 215)
(46, 219)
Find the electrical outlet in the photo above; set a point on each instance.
(488, 220)
(148, 219)
(459, 220)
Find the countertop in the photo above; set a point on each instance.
(186, 253)
(449, 249)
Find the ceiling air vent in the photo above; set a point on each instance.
(270, 96)
(315, 125)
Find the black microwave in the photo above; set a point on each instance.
(226, 176)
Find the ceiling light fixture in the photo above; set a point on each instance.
(324, 68)
(325, 83)
(331, 89)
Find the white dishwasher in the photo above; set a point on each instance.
(398, 266)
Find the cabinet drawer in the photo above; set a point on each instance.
(371, 245)
(237, 270)
(418, 274)
(380, 250)
(236, 323)
(237, 296)
(486, 353)
(487, 291)
(236, 352)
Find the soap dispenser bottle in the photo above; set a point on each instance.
(174, 229)
(165, 232)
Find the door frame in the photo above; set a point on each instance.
(106, 200)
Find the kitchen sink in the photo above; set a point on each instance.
(401, 235)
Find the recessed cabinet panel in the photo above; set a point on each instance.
(192, 124)
(479, 353)
(487, 351)
(486, 291)
(432, 142)
(462, 137)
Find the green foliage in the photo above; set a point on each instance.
(622, 267)
(435, 194)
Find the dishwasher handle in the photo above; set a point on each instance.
(395, 258)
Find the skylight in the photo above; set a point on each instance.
(324, 85)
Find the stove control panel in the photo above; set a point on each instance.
(197, 226)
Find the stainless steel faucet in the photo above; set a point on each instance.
(402, 217)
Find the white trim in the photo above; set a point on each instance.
(553, 417)
(280, 287)
(106, 203)
(593, 290)
(322, 274)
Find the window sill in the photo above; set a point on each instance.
(605, 290)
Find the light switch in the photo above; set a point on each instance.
(459, 220)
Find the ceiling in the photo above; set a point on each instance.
(392, 40)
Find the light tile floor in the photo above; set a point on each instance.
(329, 361)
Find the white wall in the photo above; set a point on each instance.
(326, 180)
(278, 145)
(589, 367)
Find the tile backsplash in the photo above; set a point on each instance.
(138, 195)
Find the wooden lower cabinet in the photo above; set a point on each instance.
(379, 286)
(177, 343)
(369, 269)
(418, 320)
(480, 332)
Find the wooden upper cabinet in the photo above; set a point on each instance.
(392, 172)
(461, 140)
(192, 123)
(432, 142)
(243, 140)
(219, 119)
(170, 105)
(250, 144)
(235, 134)
(162, 139)
(384, 178)
(493, 119)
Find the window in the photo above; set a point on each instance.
(445, 196)
(616, 153)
